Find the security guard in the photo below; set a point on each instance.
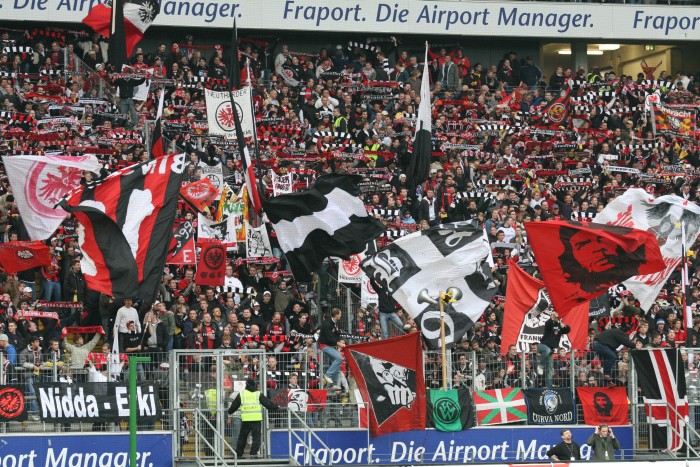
(251, 401)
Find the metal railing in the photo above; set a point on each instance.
(306, 437)
(201, 437)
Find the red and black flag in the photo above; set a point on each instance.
(661, 377)
(556, 113)
(137, 16)
(300, 400)
(182, 247)
(609, 406)
(20, 256)
(211, 267)
(125, 226)
(389, 374)
(528, 307)
(579, 262)
(200, 194)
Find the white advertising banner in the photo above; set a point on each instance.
(523, 19)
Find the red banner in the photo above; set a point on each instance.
(20, 256)
(579, 262)
(389, 374)
(609, 405)
(182, 247)
(199, 194)
(211, 267)
(528, 307)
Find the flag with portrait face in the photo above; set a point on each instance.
(579, 262)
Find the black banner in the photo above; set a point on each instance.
(550, 406)
(96, 402)
(12, 404)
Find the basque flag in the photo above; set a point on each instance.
(138, 16)
(125, 226)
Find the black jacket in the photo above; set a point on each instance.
(613, 338)
(565, 452)
(552, 333)
(330, 334)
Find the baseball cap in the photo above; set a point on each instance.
(4, 338)
(27, 290)
(267, 292)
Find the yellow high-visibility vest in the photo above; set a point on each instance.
(251, 410)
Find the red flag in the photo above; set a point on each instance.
(20, 256)
(138, 16)
(389, 374)
(609, 406)
(199, 194)
(182, 247)
(528, 307)
(579, 262)
(212, 263)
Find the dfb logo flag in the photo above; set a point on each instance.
(125, 226)
(527, 309)
(389, 374)
(661, 377)
(20, 256)
(220, 114)
(416, 268)
(609, 406)
(663, 217)
(211, 267)
(579, 262)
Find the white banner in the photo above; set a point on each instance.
(215, 174)
(663, 217)
(224, 230)
(482, 19)
(281, 183)
(257, 243)
(368, 294)
(349, 271)
(220, 117)
(40, 182)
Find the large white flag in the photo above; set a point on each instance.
(446, 258)
(220, 116)
(39, 182)
(663, 217)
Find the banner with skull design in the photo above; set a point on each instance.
(449, 258)
(389, 375)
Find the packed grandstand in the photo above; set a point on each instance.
(510, 144)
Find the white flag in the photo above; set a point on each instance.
(257, 243)
(40, 182)
(220, 117)
(663, 217)
(281, 183)
(225, 230)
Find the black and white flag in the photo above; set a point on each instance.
(419, 165)
(327, 219)
(257, 243)
(417, 267)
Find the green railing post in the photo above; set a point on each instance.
(133, 402)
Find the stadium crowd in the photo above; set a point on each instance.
(498, 156)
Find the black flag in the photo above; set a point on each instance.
(117, 36)
(419, 166)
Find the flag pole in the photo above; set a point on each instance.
(442, 298)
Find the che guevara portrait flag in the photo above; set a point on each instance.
(579, 262)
